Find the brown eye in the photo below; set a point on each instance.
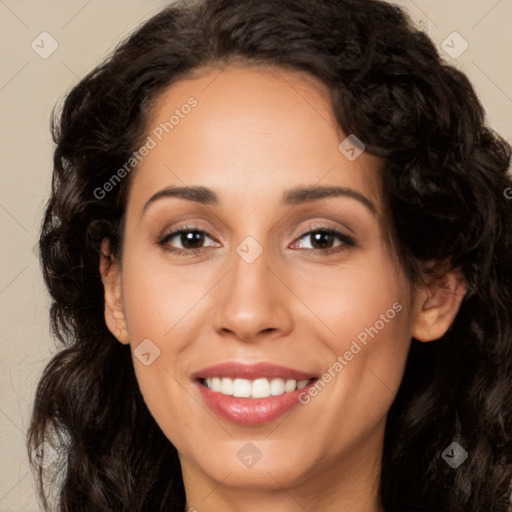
(324, 240)
(186, 240)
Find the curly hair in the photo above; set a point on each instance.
(444, 180)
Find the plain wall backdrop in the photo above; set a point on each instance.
(46, 48)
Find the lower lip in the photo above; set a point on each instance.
(251, 411)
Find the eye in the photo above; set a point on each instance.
(190, 240)
(321, 239)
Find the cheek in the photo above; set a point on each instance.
(357, 298)
(158, 301)
(158, 297)
(366, 307)
(157, 305)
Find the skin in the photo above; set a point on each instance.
(255, 133)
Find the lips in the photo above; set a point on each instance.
(251, 394)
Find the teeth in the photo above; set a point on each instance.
(258, 388)
(241, 388)
(276, 387)
(215, 384)
(226, 386)
(291, 385)
(302, 384)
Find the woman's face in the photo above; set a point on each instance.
(283, 279)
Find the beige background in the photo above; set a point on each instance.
(86, 31)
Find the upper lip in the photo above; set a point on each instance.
(236, 370)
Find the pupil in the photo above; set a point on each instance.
(322, 238)
(191, 238)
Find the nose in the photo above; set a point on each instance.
(253, 301)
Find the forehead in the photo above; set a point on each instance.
(249, 131)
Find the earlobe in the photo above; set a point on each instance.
(111, 277)
(438, 305)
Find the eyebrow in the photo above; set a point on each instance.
(294, 196)
(300, 195)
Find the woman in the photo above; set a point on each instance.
(279, 251)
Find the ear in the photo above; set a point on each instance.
(437, 305)
(111, 276)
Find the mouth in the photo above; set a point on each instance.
(251, 394)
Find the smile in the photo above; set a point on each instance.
(251, 394)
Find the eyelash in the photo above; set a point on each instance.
(346, 240)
